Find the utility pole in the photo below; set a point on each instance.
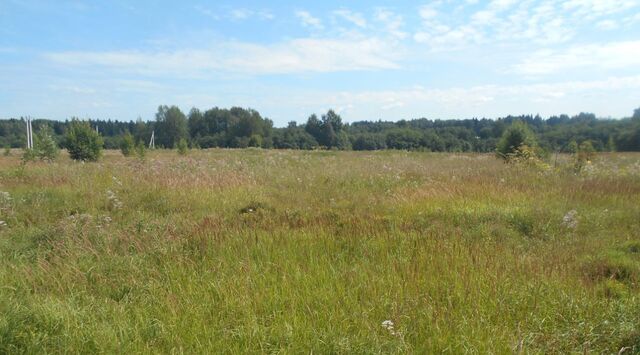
(152, 142)
(29, 133)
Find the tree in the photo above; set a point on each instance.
(636, 114)
(44, 146)
(514, 138)
(83, 142)
(127, 145)
(171, 126)
(183, 147)
(314, 128)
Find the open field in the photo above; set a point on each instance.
(297, 252)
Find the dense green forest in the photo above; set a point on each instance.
(240, 128)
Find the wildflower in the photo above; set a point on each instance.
(5, 196)
(114, 200)
(3, 224)
(570, 220)
(388, 325)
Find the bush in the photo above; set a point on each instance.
(183, 147)
(141, 151)
(584, 155)
(82, 142)
(7, 150)
(513, 139)
(127, 146)
(44, 146)
(29, 155)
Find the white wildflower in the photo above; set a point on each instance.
(570, 220)
(114, 200)
(3, 224)
(388, 325)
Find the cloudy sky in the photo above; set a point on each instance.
(368, 60)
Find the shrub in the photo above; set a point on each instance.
(29, 155)
(7, 150)
(82, 142)
(45, 147)
(127, 145)
(513, 139)
(584, 155)
(183, 147)
(141, 151)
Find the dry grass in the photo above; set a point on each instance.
(279, 251)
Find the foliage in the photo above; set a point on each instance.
(83, 142)
(7, 151)
(128, 145)
(182, 146)
(515, 137)
(29, 155)
(238, 127)
(171, 126)
(583, 156)
(141, 151)
(44, 146)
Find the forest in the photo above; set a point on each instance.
(241, 128)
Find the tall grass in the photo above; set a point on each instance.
(252, 251)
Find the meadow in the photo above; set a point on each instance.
(266, 251)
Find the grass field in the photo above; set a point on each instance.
(257, 251)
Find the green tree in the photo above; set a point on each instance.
(514, 138)
(171, 126)
(127, 145)
(83, 142)
(44, 146)
(141, 151)
(183, 147)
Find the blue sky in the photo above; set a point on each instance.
(368, 60)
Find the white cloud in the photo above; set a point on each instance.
(614, 55)
(308, 20)
(392, 23)
(353, 17)
(544, 22)
(295, 56)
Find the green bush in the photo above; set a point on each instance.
(82, 142)
(513, 139)
(183, 147)
(29, 155)
(44, 146)
(141, 151)
(127, 145)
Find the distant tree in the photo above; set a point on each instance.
(514, 138)
(171, 126)
(83, 142)
(369, 141)
(196, 123)
(127, 145)
(314, 128)
(404, 139)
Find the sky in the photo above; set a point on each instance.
(367, 60)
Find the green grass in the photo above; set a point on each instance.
(252, 251)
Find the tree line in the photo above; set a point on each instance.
(240, 128)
